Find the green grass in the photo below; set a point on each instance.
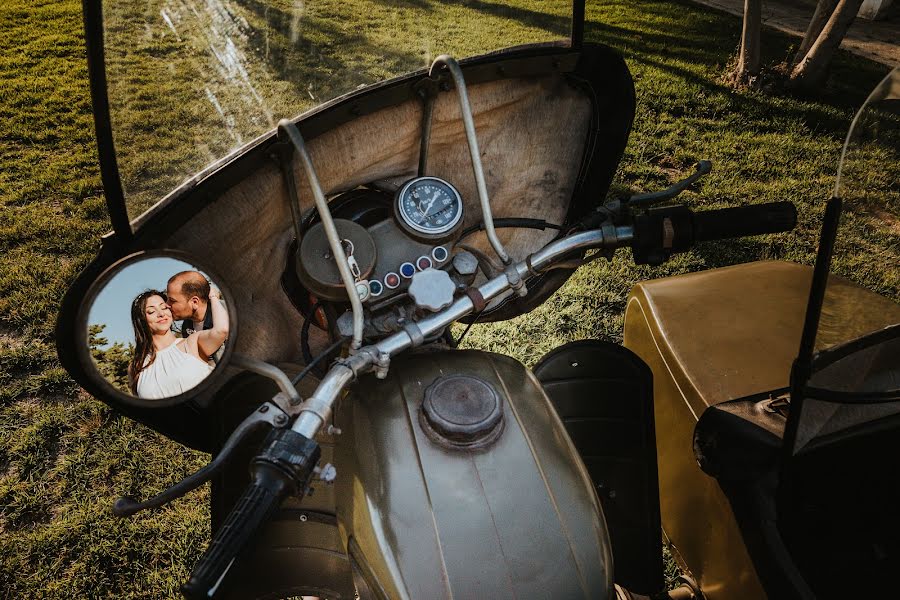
(65, 457)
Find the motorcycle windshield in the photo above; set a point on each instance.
(867, 247)
(192, 81)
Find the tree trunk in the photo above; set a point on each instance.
(748, 60)
(823, 12)
(810, 71)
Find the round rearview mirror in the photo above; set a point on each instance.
(157, 328)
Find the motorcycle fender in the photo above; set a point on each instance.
(517, 518)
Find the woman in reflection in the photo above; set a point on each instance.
(165, 365)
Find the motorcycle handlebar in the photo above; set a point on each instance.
(260, 499)
(661, 232)
(741, 221)
(287, 461)
(284, 466)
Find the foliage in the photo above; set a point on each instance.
(65, 457)
(112, 362)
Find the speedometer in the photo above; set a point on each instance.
(428, 207)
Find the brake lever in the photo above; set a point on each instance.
(267, 414)
(644, 200)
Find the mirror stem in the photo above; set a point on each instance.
(274, 373)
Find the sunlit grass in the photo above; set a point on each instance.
(65, 457)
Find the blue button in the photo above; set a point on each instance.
(407, 270)
(439, 254)
(375, 287)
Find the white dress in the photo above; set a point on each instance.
(172, 373)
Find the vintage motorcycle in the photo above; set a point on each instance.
(385, 462)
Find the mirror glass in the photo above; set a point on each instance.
(157, 327)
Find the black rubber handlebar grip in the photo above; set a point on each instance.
(259, 501)
(284, 466)
(756, 219)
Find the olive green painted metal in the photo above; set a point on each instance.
(518, 518)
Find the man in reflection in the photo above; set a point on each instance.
(188, 296)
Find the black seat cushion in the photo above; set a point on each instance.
(603, 393)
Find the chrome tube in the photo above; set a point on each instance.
(289, 130)
(469, 124)
(318, 407)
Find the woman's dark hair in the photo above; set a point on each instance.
(143, 337)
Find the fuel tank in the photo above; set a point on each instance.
(456, 479)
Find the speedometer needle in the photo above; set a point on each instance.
(431, 203)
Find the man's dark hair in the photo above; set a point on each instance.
(193, 284)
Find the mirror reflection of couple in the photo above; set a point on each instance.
(165, 364)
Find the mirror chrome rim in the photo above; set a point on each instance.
(82, 346)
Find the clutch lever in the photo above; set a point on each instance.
(644, 200)
(267, 414)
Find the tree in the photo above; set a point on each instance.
(112, 362)
(809, 65)
(823, 36)
(748, 64)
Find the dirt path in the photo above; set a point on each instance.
(876, 40)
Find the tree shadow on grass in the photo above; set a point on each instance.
(695, 45)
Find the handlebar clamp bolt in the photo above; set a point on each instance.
(382, 364)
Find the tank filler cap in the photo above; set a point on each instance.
(462, 412)
(432, 289)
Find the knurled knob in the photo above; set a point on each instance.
(432, 289)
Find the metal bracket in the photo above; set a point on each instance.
(415, 334)
(515, 281)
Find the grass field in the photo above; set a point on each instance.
(65, 457)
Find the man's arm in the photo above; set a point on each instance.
(209, 340)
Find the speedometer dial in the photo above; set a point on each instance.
(428, 207)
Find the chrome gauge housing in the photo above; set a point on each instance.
(428, 208)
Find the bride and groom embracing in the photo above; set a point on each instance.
(168, 362)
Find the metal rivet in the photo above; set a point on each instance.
(264, 408)
(303, 517)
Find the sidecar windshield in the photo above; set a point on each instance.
(867, 248)
(191, 81)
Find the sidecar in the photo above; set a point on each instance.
(777, 391)
(187, 97)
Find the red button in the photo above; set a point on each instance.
(391, 280)
(423, 263)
